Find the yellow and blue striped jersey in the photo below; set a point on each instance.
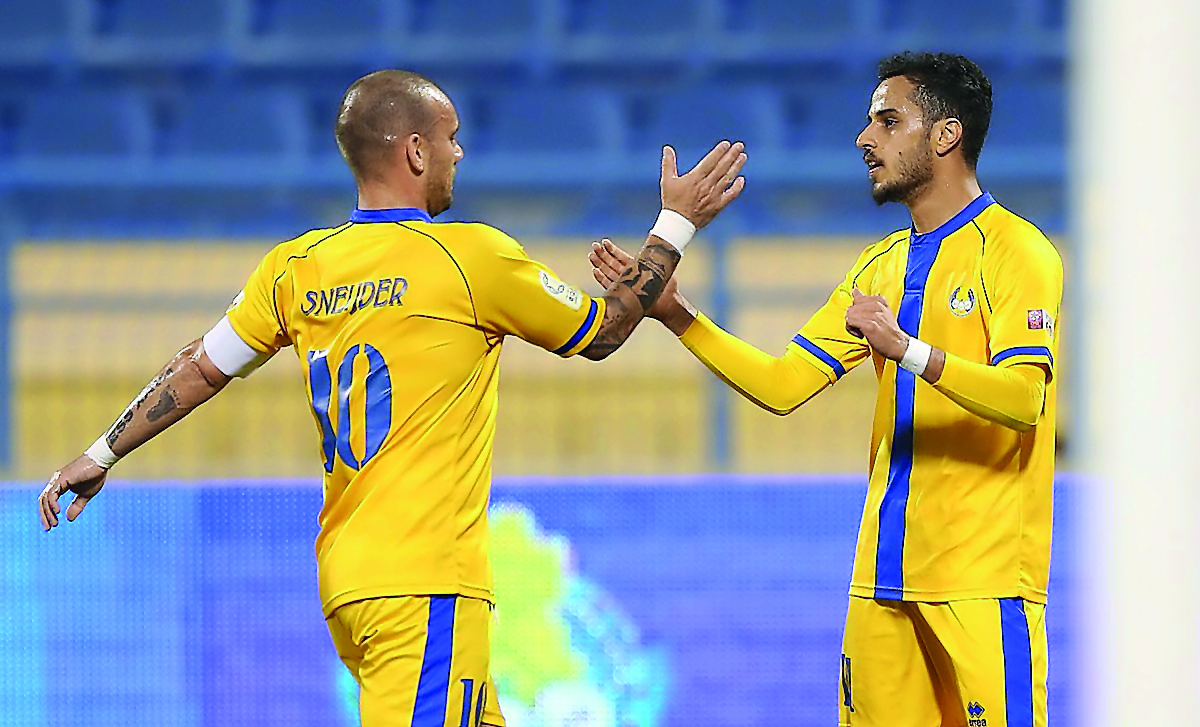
(398, 322)
(957, 507)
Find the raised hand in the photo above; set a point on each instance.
(708, 188)
(81, 476)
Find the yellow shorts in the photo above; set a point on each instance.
(976, 663)
(420, 661)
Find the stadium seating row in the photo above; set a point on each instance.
(141, 122)
(281, 32)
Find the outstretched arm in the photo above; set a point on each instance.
(187, 381)
(778, 384)
(689, 203)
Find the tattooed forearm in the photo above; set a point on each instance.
(631, 296)
(181, 386)
(166, 404)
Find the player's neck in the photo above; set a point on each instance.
(379, 197)
(941, 200)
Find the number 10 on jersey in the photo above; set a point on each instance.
(378, 409)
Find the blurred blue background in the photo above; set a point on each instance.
(152, 150)
(705, 600)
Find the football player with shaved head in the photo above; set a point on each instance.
(397, 322)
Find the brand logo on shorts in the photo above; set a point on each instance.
(975, 717)
(961, 304)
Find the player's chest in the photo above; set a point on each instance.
(937, 293)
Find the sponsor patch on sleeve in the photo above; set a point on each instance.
(1041, 320)
(560, 291)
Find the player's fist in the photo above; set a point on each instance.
(870, 317)
(81, 476)
(700, 194)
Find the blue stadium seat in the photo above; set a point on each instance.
(156, 20)
(254, 121)
(82, 123)
(825, 113)
(604, 33)
(33, 31)
(770, 19)
(565, 120)
(447, 33)
(1028, 110)
(153, 32)
(312, 33)
(956, 25)
(472, 18)
(317, 20)
(693, 119)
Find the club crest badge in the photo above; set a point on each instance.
(962, 302)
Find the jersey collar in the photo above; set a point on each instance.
(398, 215)
(955, 223)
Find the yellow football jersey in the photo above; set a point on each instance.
(957, 507)
(398, 322)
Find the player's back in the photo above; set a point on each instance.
(398, 324)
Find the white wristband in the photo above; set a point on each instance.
(101, 453)
(673, 229)
(916, 356)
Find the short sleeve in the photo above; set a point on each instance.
(254, 314)
(515, 295)
(1023, 286)
(824, 340)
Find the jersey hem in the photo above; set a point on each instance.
(438, 589)
(909, 594)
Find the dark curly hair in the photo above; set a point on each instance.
(948, 85)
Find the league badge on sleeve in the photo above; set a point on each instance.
(1041, 320)
(560, 291)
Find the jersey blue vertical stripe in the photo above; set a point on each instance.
(1023, 351)
(889, 556)
(433, 688)
(587, 324)
(838, 369)
(893, 511)
(1018, 663)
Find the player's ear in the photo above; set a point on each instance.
(947, 135)
(414, 154)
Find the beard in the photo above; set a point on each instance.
(912, 175)
(441, 192)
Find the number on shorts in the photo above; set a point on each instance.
(468, 688)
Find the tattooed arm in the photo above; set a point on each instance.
(187, 381)
(699, 196)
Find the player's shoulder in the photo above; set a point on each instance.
(303, 244)
(475, 241)
(888, 245)
(1008, 233)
